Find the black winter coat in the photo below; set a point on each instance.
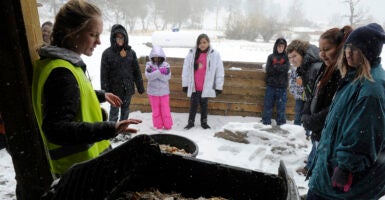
(120, 75)
(316, 110)
(61, 106)
(277, 67)
(308, 70)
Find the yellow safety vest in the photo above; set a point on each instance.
(60, 157)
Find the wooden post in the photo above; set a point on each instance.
(20, 35)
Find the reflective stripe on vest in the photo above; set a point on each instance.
(63, 157)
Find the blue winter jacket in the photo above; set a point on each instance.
(353, 139)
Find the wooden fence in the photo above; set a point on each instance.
(243, 91)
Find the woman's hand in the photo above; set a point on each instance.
(122, 126)
(113, 99)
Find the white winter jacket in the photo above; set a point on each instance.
(215, 74)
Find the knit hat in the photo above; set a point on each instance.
(369, 39)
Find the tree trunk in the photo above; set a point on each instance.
(20, 35)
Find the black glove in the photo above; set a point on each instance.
(184, 89)
(141, 90)
(217, 92)
(342, 179)
(305, 119)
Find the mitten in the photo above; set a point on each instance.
(217, 92)
(342, 179)
(163, 70)
(184, 89)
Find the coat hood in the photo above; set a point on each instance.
(157, 51)
(277, 42)
(117, 28)
(311, 55)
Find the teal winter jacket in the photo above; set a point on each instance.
(353, 139)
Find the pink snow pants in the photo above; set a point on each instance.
(161, 114)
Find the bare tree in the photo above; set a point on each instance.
(216, 6)
(296, 16)
(242, 27)
(143, 15)
(196, 13)
(356, 15)
(268, 27)
(253, 7)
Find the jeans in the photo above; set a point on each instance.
(312, 196)
(124, 110)
(278, 96)
(298, 113)
(312, 153)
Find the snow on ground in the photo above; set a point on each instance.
(266, 148)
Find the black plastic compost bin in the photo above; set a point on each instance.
(177, 141)
(138, 165)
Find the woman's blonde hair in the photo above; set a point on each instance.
(363, 69)
(71, 20)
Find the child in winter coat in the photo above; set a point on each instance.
(158, 74)
(300, 98)
(120, 72)
(277, 68)
(202, 77)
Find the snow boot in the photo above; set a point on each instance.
(189, 125)
(204, 123)
(205, 126)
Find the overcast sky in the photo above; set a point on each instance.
(323, 10)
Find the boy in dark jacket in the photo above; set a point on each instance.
(305, 57)
(277, 68)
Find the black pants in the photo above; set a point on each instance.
(2, 141)
(195, 100)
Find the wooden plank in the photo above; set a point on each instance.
(248, 74)
(178, 62)
(243, 91)
(32, 27)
